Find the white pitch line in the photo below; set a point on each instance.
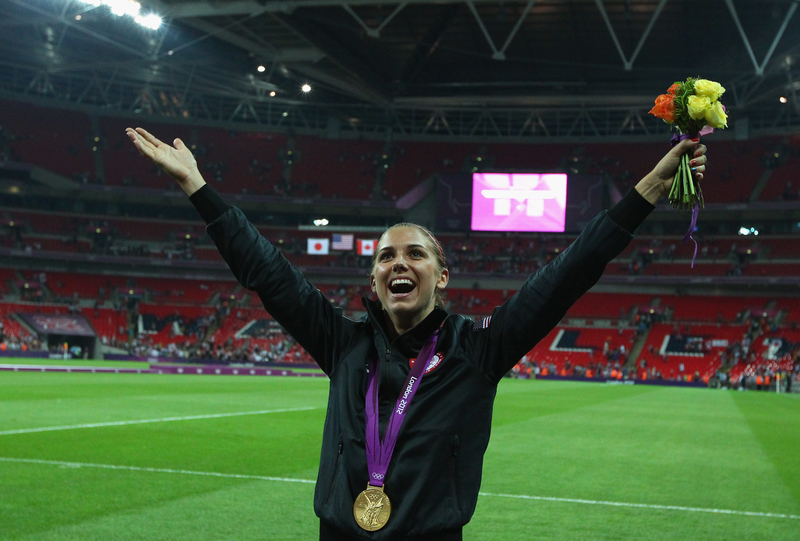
(644, 505)
(486, 494)
(153, 470)
(146, 421)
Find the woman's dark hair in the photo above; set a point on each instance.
(436, 249)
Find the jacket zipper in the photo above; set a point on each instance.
(456, 446)
(336, 470)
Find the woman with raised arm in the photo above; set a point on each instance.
(411, 386)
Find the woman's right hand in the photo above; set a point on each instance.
(177, 161)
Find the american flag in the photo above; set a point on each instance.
(342, 242)
(482, 324)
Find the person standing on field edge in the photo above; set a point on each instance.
(411, 386)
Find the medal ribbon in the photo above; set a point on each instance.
(379, 453)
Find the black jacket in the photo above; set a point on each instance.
(435, 473)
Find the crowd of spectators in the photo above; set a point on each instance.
(198, 340)
(279, 348)
(17, 341)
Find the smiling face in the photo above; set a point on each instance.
(406, 274)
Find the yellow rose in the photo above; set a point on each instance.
(716, 116)
(697, 106)
(708, 89)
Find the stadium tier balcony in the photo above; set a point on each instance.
(790, 307)
(46, 137)
(772, 269)
(696, 348)
(253, 162)
(240, 162)
(6, 276)
(783, 247)
(607, 305)
(781, 159)
(474, 301)
(480, 254)
(773, 351)
(46, 222)
(704, 308)
(180, 291)
(413, 162)
(336, 168)
(106, 321)
(12, 329)
(582, 347)
(86, 286)
(739, 173)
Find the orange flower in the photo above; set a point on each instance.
(664, 108)
(673, 89)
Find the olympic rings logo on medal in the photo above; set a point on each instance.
(377, 476)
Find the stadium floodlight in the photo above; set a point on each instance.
(130, 8)
(123, 7)
(151, 21)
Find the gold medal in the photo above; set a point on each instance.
(372, 509)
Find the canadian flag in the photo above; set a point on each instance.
(366, 247)
(318, 246)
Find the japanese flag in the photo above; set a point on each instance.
(366, 247)
(318, 246)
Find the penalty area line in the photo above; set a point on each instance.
(78, 465)
(147, 421)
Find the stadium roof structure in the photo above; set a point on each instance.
(543, 70)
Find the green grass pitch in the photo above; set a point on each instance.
(678, 454)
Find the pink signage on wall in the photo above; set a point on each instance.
(519, 202)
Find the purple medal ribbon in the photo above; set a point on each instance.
(688, 235)
(379, 454)
(677, 138)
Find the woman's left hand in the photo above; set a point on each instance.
(659, 181)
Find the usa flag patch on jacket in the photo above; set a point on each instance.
(482, 324)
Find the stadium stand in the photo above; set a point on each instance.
(136, 304)
(254, 162)
(781, 158)
(29, 128)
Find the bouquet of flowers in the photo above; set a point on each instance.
(693, 108)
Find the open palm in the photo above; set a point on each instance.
(177, 161)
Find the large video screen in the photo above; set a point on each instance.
(519, 202)
(586, 195)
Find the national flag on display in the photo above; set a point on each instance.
(342, 242)
(318, 246)
(366, 247)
